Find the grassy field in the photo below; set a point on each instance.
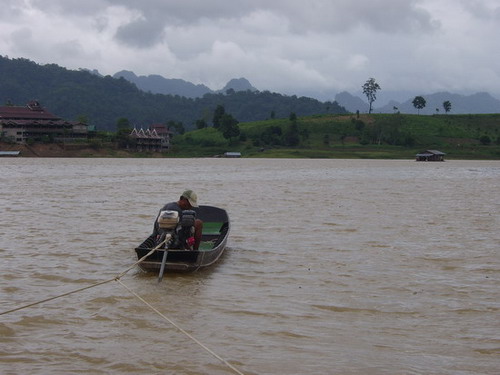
(379, 136)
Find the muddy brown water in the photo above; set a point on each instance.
(332, 267)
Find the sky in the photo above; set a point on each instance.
(316, 47)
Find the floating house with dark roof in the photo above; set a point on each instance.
(430, 155)
(21, 123)
(232, 154)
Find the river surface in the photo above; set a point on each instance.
(332, 267)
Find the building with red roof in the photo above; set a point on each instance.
(22, 123)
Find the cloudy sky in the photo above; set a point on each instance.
(302, 47)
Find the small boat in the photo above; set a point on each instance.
(213, 242)
(10, 153)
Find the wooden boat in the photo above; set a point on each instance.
(213, 242)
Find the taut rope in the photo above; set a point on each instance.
(181, 329)
(117, 279)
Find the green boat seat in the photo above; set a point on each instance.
(212, 228)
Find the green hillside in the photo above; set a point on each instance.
(102, 101)
(385, 136)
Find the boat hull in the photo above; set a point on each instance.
(213, 243)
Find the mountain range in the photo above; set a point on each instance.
(102, 101)
(460, 104)
(157, 84)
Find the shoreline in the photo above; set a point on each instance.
(59, 150)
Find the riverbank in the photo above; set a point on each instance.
(378, 136)
(59, 150)
(347, 151)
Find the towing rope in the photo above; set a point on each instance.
(117, 279)
(181, 329)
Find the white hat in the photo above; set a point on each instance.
(191, 197)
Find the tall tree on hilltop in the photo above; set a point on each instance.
(447, 106)
(370, 89)
(419, 102)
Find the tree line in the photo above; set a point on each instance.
(102, 101)
(371, 87)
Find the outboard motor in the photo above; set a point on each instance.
(185, 230)
(179, 229)
(167, 223)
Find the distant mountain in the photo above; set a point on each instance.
(238, 84)
(460, 104)
(157, 84)
(351, 103)
(102, 101)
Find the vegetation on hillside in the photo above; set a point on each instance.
(255, 123)
(376, 136)
(365, 136)
(102, 101)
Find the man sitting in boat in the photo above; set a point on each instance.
(187, 201)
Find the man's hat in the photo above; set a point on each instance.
(191, 197)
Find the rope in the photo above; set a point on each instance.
(117, 279)
(181, 329)
(53, 298)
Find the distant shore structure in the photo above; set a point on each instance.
(430, 155)
(33, 122)
(9, 153)
(232, 154)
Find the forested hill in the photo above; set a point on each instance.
(72, 94)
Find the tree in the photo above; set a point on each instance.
(218, 113)
(291, 137)
(419, 102)
(201, 124)
(370, 89)
(123, 131)
(123, 124)
(82, 119)
(229, 126)
(326, 139)
(447, 106)
(485, 140)
(177, 126)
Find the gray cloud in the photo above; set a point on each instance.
(483, 10)
(70, 7)
(141, 33)
(319, 16)
(289, 46)
(11, 9)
